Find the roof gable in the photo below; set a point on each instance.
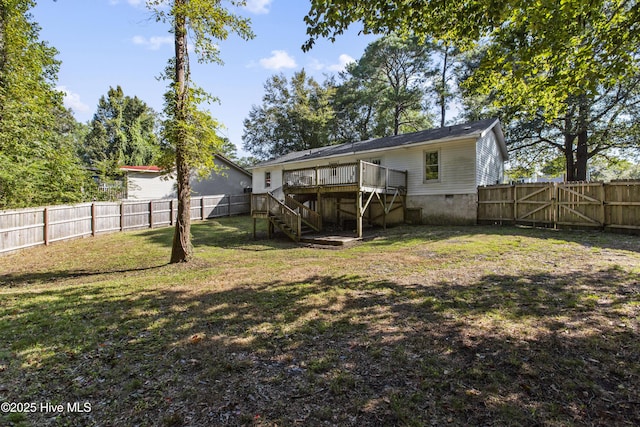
(475, 129)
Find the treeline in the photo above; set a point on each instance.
(397, 86)
(46, 156)
(38, 162)
(568, 98)
(564, 77)
(404, 84)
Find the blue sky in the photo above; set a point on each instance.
(104, 43)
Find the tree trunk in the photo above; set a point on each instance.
(569, 138)
(568, 156)
(582, 150)
(443, 93)
(396, 120)
(181, 250)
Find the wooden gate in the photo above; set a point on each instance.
(613, 205)
(580, 204)
(534, 203)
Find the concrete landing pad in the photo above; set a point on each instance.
(329, 240)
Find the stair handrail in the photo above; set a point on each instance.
(287, 215)
(312, 218)
(277, 193)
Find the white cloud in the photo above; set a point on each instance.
(343, 60)
(279, 59)
(259, 7)
(152, 43)
(72, 100)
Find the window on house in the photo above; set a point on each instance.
(431, 166)
(267, 179)
(376, 161)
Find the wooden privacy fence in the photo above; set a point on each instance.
(23, 228)
(613, 205)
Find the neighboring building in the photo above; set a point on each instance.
(150, 183)
(233, 179)
(433, 174)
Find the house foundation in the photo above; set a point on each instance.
(446, 209)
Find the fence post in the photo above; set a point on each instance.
(202, 208)
(150, 213)
(121, 216)
(229, 196)
(94, 220)
(45, 230)
(603, 211)
(555, 205)
(171, 212)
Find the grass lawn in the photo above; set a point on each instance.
(414, 326)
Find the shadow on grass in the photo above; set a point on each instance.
(338, 350)
(226, 233)
(428, 233)
(24, 279)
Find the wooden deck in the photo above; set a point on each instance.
(345, 178)
(363, 181)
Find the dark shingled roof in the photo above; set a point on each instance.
(472, 129)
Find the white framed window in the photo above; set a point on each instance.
(431, 166)
(267, 179)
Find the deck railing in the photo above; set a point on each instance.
(363, 174)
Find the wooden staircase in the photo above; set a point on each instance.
(291, 217)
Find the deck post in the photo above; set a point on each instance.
(319, 208)
(359, 214)
(384, 211)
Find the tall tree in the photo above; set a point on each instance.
(38, 164)
(548, 58)
(190, 132)
(295, 115)
(444, 75)
(396, 71)
(385, 92)
(123, 132)
(590, 127)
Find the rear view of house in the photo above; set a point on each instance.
(429, 176)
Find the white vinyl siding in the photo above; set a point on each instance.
(457, 167)
(490, 165)
(259, 179)
(149, 186)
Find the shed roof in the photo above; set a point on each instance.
(158, 170)
(475, 129)
(151, 169)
